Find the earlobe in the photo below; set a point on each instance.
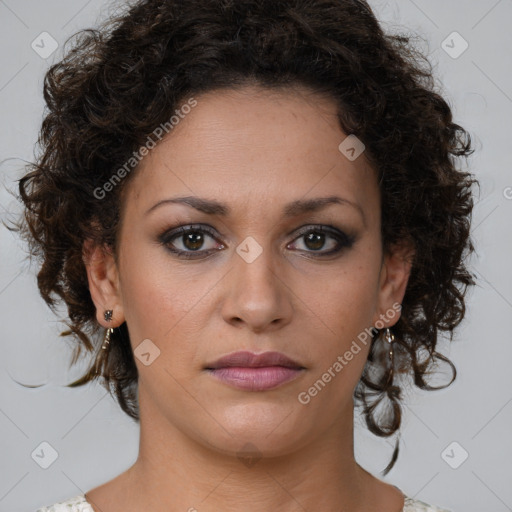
(395, 273)
(103, 278)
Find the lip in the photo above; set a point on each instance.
(255, 372)
(247, 359)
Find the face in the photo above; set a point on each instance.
(256, 271)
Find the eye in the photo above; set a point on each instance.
(187, 240)
(315, 238)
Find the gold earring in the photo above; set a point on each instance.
(108, 317)
(390, 338)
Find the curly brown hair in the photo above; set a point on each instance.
(120, 81)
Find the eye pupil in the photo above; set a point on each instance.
(316, 239)
(195, 239)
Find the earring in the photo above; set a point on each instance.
(108, 317)
(390, 338)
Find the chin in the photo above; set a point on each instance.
(269, 429)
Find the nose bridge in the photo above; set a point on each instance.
(255, 264)
(256, 293)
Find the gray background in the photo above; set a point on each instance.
(95, 440)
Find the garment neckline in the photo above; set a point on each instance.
(407, 500)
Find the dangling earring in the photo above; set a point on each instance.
(108, 317)
(395, 391)
(389, 337)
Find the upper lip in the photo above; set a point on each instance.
(251, 360)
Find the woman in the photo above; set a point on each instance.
(258, 201)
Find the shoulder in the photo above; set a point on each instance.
(75, 504)
(412, 505)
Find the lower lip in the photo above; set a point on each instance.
(255, 379)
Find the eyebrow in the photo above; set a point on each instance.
(295, 208)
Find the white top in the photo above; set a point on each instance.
(80, 504)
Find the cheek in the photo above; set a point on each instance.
(164, 305)
(347, 298)
(342, 343)
(151, 302)
(341, 312)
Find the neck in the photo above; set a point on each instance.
(176, 472)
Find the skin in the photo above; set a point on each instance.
(254, 151)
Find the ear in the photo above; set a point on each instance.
(394, 276)
(103, 277)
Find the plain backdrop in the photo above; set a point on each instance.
(456, 443)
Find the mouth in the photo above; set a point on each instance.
(247, 359)
(255, 372)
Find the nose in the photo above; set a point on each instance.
(256, 292)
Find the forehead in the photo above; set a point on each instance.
(271, 147)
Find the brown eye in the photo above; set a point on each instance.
(317, 238)
(193, 241)
(187, 240)
(314, 241)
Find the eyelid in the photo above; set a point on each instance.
(323, 228)
(171, 233)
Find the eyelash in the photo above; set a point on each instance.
(344, 240)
